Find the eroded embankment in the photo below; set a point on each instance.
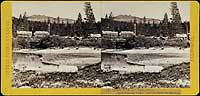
(31, 61)
(121, 63)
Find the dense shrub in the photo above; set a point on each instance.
(128, 43)
(21, 43)
(177, 42)
(90, 42)
(53, 41)
(65, 42)
(56, 41)
(132, 42)
(108, 43)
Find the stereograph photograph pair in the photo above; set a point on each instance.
(99, 47)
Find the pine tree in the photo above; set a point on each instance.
(25, 16)
(135, 21)
(144, 26)
(111, 16)
(62, 22)
(20, 16)
(78, 26)
(24, 23)
(67, 23)
(176, 18)
(79, 20)
(144, 20)
(48, 21)
(89, 13)
(165, 20)
(20, 22)
(106, 17)
(148, 22)
(58, 20)
(164, 29)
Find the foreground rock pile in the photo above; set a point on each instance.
(93, 77)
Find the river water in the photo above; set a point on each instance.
(125, 61)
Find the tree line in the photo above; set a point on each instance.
(81, 28)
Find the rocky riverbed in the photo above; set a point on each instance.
(93, 77)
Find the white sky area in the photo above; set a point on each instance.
(70, 9)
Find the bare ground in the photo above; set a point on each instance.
(93, 77)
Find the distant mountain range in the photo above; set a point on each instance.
(129, 18)
(124, 18)
(43, 18)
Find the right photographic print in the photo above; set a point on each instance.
(147, 45)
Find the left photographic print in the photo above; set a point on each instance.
(53, 45)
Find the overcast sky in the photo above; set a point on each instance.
(70, 9)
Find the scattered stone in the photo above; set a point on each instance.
(25, 87)
(166, 81)
(107, 87)
(182, 83)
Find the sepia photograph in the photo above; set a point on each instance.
(101, 44)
